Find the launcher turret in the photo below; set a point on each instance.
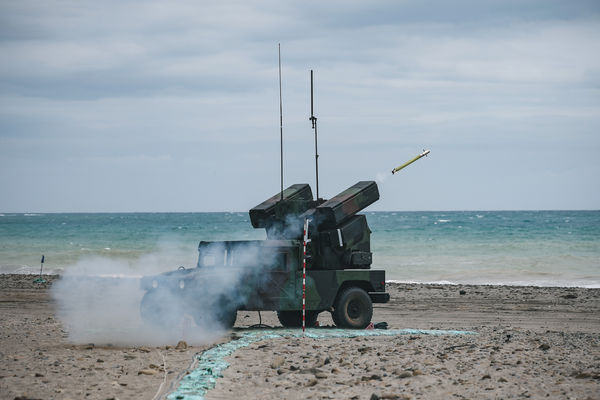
(340, 238)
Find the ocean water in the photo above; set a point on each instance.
(542, 248)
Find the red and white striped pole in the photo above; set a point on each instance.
(304, 242)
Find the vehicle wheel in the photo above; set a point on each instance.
(293, 319)
(160, 309)
(353, 309)
(227, 318)
(221, 312)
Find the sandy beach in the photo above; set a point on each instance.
(530, 342)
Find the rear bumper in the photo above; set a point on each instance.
(379, 297)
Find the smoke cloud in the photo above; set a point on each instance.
(381, 177)
(101, 300)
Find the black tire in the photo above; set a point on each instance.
(160, 309)
(353, 309)
(222, 312)
(293, 319)
(227, 318)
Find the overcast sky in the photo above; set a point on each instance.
(173, 105)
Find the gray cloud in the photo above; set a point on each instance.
(98, 98)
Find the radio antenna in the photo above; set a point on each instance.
(314, 126)
(280, 121)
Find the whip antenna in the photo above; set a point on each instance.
(280, 121)
(314, 126)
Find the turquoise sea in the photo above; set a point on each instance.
(543, 248)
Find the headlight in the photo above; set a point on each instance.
(181, 284)
(154, 284)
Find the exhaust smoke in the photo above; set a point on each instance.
(101, 300)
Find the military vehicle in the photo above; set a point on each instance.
(268, 274)
(327, 239)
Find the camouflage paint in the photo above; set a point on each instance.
(267, 274)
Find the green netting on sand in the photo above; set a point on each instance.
(212, 362)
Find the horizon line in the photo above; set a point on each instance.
(32, 213)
